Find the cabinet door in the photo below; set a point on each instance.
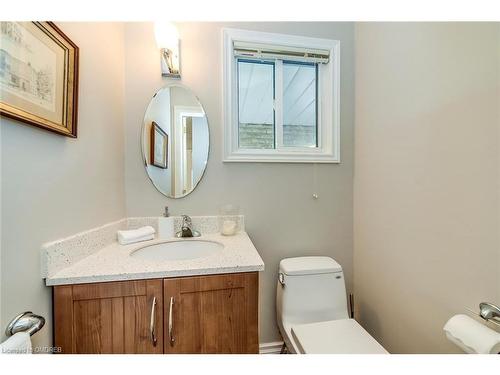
(114, 317)
(211, 314)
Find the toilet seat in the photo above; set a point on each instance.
(341, 336)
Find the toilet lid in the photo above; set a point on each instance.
(309, 266)
(342, 336)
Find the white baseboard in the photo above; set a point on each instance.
(270, 347)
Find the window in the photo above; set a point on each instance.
(281, 98)
(255, 104)
(300, 90)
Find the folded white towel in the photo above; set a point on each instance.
(139, 239)
(126, 237)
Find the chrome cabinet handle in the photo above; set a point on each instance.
(152, 322)
(171, 322)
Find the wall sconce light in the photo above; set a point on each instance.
(167, 39)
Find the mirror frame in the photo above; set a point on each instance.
(142, 146)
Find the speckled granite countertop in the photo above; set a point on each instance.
(95, 255)
(114, 263)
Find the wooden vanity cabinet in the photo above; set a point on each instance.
(112, 317)
(198, 314)
(211, 314)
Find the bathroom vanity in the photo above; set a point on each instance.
(197, 314)
(158, 296)
(189, 295)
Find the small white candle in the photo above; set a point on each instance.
(228, 227)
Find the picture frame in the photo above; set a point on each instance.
(158, 147)
(39, 76)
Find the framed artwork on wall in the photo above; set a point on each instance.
(39, 76)
(159, 147)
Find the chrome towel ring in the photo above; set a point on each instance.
(25, 322)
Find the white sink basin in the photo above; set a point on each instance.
(177, 250)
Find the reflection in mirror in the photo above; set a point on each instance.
(175, 141)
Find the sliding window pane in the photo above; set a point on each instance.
(256, 104)
(300, 104)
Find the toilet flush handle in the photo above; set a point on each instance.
(281, 278)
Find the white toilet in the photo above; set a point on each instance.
(311, 305)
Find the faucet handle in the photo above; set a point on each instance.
(187, 228)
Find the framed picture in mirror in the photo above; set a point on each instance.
(159, 147)
(39, 76)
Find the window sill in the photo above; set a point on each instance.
(281, 158)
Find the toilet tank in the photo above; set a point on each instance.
(310, 289)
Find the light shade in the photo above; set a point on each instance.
(166, 35)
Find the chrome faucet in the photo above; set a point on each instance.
(187, 228)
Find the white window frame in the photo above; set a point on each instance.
(328, 116)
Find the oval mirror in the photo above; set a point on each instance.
(175, 141)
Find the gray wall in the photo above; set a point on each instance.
(282, 218)
(54, 186)
(426, 226)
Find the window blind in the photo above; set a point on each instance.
(267, 51)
